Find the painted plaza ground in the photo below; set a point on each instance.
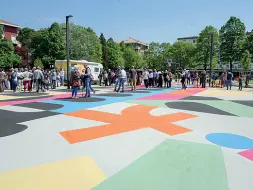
(154, 139)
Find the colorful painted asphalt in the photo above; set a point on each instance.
(194, 139)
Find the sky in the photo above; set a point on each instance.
(144, 20)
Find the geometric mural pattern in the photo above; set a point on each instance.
(149, 139)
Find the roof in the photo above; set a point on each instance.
(6, 23)
(132, 41)
(188, 38)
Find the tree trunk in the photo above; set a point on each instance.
(231, 66)
(205, 66)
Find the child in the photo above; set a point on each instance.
(240, 82)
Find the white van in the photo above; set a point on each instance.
(94, 67)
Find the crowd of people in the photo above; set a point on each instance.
(42, 80)
(28, 80)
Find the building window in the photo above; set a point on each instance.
(96, 69)
(194, 41)
(13, 38)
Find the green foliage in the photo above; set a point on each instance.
(38, 63)
(7, 56)
(204, 44)
(130, 56)
(232, 39)
(84, 44)
(25, 36)
(48, 44)
(1, 30)
(105, 58)
(249, 43)
(246, 61)
(184, 53)
(115, 54)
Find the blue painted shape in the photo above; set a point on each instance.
(230, 140)
(75, 106)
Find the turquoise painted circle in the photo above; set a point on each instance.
(230, 140)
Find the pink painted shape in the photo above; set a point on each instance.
(129, 88)
(36, 100)
(247, 154)
(194, 90)
(164, 97)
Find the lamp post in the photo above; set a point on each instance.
(67, 47)
(211, 57)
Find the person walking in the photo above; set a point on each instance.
(166, 78)
(54, 78)
(75, 81)
(151, 78)
(100, 77)
(105, 78)
(183, 79)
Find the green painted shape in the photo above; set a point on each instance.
(158, 103)
(231, 107)
(175, 165)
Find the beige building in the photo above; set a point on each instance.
(139, 46)
(192, 39)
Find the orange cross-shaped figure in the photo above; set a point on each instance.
(132, 118)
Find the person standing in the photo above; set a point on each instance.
(27, 80)
(133, 76)
(151, 78)
(145, 77)
(105, 78)
(203, 78)
(54, 77)
(229, 79)
(14, 78)
(100, 77)
(62, 77)
(240, 82)
(87, 81)
(155, 77)
(122, 80)
(170, 79)
(75, 81)
(165, 78)
(38, 77)
(118, 76)
(183, 79)
(2, 80)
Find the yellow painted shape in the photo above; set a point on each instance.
(78, 174)
(225, 93)
(3, 97)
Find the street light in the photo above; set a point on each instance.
(67, 47)
(211, 57)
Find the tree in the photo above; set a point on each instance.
(25, 36)
(249, 43)
(7, 56)
(184, 53)
(232, 38)
(105, 59)
(246, 61)
(130, 56)
(204, 44)
(38, 63)
(84, 44)
(115, 55)
(48, 44)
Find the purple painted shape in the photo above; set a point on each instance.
(164, 97)
(247, 154)
(36, 100)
